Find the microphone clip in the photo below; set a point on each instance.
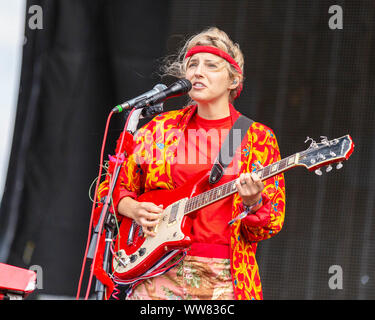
(152, 111)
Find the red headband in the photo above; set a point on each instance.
(220, 53)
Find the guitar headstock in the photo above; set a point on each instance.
(326, 153)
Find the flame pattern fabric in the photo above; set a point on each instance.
(148, 167)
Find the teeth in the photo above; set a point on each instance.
(198, 85)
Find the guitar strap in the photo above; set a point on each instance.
(229, 147)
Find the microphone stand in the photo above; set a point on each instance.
(109, 221)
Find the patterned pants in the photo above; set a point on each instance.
(194, 278)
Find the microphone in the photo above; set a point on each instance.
(130, 103)
(176, 89)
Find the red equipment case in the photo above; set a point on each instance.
(16, 283)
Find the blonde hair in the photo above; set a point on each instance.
(176, 65)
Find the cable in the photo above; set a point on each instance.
(105, 204)
(93, 204)
(92, 183)
(116, 292)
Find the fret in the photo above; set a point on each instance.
(214, 193)
(230, 186)
(208, 196)
(274, 167)
(200, 198)
(260, 173)
(195, 199)
(221, 191)
(202, 202)
(187, 206)
(225, 189)
(282, 164)
(291, 160)
(196, 204)
(204, 198)
(265, 172)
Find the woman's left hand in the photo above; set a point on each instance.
(249, 187)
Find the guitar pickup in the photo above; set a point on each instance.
(173, 214)
(131, 233)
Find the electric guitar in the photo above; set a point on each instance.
(137, 254)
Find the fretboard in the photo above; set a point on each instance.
(227, 189)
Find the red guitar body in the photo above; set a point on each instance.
(134, 249)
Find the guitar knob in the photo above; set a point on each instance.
(329, 168)
(339, 166)
(318, 172)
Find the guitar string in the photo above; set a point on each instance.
(195, 202)
(227, 188)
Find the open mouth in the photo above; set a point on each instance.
(198, 85)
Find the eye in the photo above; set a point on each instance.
(192, 64)
(211, 65)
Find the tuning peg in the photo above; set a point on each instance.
(313, 143)
(332, 154)
(324, 140)
(318, 172)
(339, 166)
(321, 156)
(329, 168)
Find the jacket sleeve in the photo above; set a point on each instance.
(268, 220)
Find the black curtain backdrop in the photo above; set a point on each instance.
(302, 79)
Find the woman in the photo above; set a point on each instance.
(221, 263)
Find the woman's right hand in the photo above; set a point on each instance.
(145, 214)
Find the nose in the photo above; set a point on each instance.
(198, 72)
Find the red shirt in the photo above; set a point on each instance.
(196, 154)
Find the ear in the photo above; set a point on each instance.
(235, 82)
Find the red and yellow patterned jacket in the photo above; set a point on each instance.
(156, 143)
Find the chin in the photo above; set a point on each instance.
(199, 98)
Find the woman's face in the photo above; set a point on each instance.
(210, 78)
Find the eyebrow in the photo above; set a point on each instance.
(205, 60)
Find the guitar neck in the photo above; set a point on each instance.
(229, 188)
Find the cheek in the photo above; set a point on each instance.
(189, 74)
(221, 82)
